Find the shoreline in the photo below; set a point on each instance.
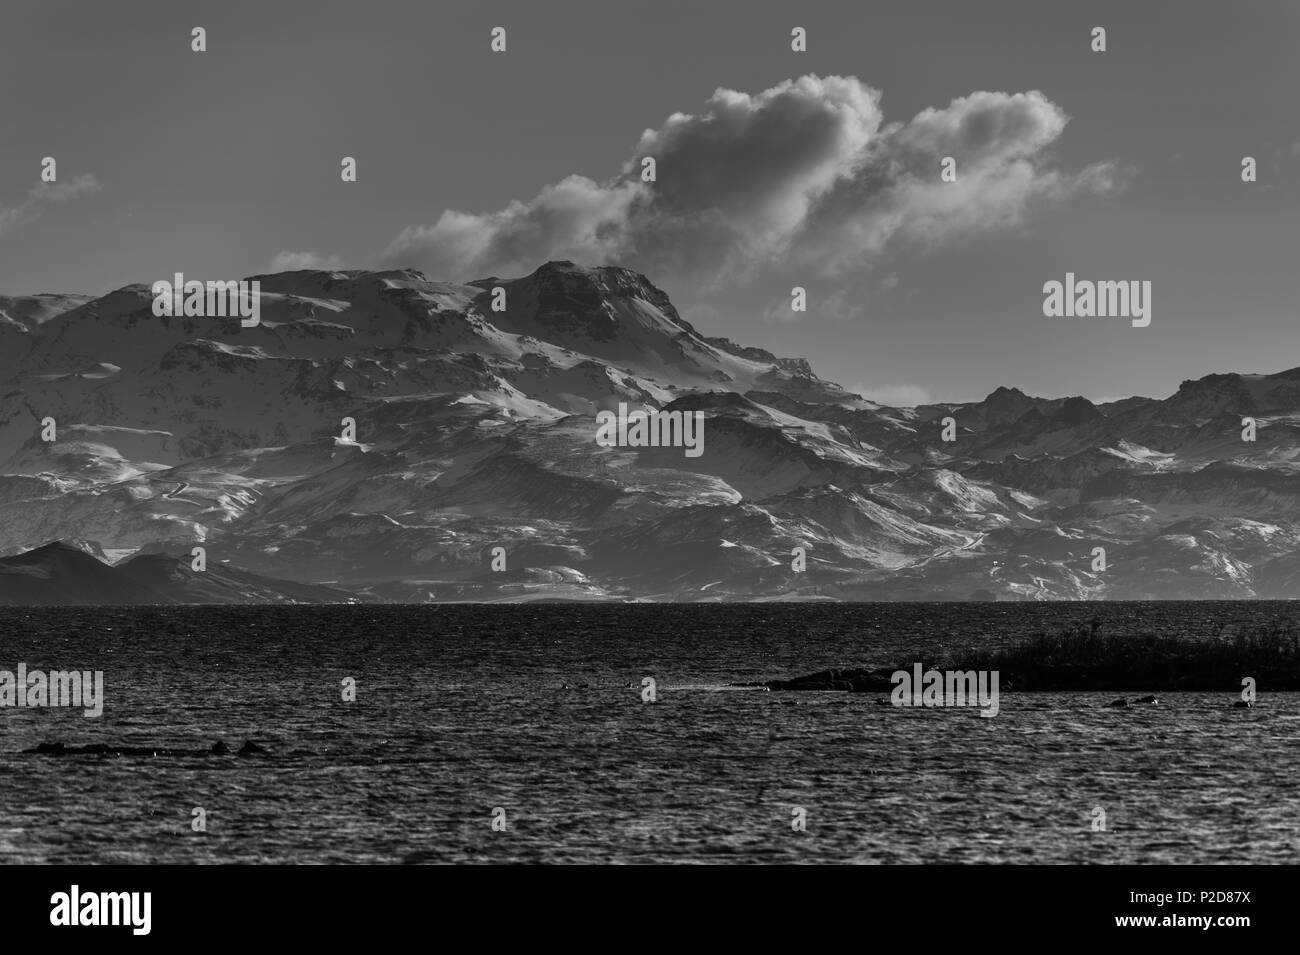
(1263, 657)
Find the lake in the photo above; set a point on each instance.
(532, 715)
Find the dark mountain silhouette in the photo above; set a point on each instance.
(64, 573)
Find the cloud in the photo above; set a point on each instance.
(702, 315)
(806, 173)
(839, 306)
(294, 261)
(47, 193)
(780, 310)
(576, 218)
(999, 142)
(895, 396)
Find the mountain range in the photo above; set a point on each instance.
(474, 472)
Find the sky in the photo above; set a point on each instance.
(775, 168)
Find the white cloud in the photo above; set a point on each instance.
(780, 310)
(804, 173)
(576, 218)
(840, 306)
(46, 193)
(296, 261)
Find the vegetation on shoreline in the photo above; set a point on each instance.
(1087, 659)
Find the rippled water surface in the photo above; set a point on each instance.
(537, 710)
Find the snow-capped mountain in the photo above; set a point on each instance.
(475, 471)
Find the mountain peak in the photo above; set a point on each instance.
(475, 417)
(67, 545)
(1002, 393)
(1076, 410)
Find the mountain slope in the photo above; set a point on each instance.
(475, 471)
